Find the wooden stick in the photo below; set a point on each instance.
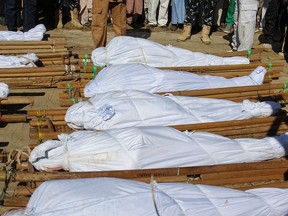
(11, 100)
(43, 176)
(31, 113)
(13, 118)
(32, 43)
(16, 202)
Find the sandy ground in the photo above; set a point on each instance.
(16, 135)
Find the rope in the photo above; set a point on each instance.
(153, 194)
(70, 69)
(39, 126)
(13, 158)
(29, 60)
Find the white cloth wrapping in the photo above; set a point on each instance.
(4, 90)
(144, 78)
(26, 60)
(150, 147)
(34, 34)
(137, 108)
(125, 49)
(121, 197)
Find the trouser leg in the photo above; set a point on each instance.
(29, 14)
(118, 14)
(271, 18)
(246, 23)
(192, 9)
(152, 11)
(230, 13)
(218, 12)
(10, 14)
(208, 12)
(99, 22)
(163, 12)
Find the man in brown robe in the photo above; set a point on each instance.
(100, 10)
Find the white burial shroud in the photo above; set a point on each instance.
(121, 197)
(145, 78)
(125, 49)
(4, 90)
(137, 108)
(26, 60)
(150, 147)
(34, 34)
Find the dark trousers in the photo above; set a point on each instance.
(271, 19)
(12, 8)
(284, 29)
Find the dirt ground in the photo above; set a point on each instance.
(16, 135)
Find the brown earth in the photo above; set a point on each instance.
(17, 134)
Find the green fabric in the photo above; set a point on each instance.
(230, 13)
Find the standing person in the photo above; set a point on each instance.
(271, 20)
(192, 10)
(85, 12)
(100, 10)
(11, 10)
(229, 21)
(162, 20)
(177, 14)
(245, 22)
(72, 5)
(134, 9)
(218, 11)
(2, 20)
(284, 29)
(260, 19)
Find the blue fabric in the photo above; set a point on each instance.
(178, 11)
(12, 7)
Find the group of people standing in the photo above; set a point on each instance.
(243, 17)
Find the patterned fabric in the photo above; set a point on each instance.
(68, 3)
(202, 8)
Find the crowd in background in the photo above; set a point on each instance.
(239, 18)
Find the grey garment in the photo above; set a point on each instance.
(245, 21)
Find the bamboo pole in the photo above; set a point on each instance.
(255, 96)
(222, 54)
(280, 184)
(13, 118)
(36, 47)
(232, 133)
(32, 43)
(199, 126)
(17, 100)
(27, 191)
(36, 69)
(218, 182)
(16, 202)
(130, 174)
(37, 51)
(226, 67)
(44, 113)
